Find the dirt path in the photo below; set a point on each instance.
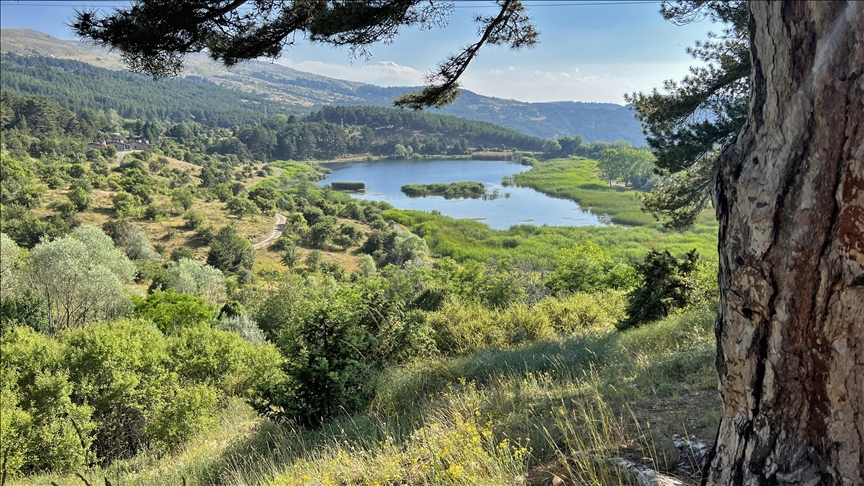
(277, 232)
(123, 153)
(277, 228)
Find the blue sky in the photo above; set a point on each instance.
(588, 51)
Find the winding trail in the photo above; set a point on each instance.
(278, 228)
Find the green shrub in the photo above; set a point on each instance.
(667, 284)
(224, 360)
(173, 312)
(461, 328)
(324, 349)
(589, 268)
(574, 312)
(118, 369)
(526, 324)
(41, 427)
(185, 412)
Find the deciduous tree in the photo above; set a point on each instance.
(80, 276)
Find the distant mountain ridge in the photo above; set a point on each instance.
(305, 92)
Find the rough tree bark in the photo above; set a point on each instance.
(790, 200)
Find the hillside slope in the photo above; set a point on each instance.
(305, 92)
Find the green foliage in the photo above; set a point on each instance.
(634, 167)
(81, 86)
(230, 252)
(223, 360)
(119, 370)
(188, 276)
(241, 207)
(291, 256)
(243, 325)
(666, 284)
(186, 411)
(127, 205)
(80, 198)
(180, 253)
(461, 328)
(140, 248)
(81, 277)
(9, 254)
(703, 111)
(681, 198)
(464, 240)
(464, 189)
(43, 427)
(573, 313)
(588, 268)
(24, 309)
(173, 312)
(194, 219)
(348, 186)
(333, 339)
(325, 346)
(314, 259)
(183, 198)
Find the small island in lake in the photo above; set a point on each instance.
(467, 189)
(349, 186)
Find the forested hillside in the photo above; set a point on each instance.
(79, 86)
(305, 92)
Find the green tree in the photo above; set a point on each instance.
(44, 427)
(230, 252)
(265, 197)
(241, 207)
(80, 198)
(127, 205)
(183, 198)
(140, 248)
(81, 277)
(9, 254)
(188, 276)
(687, 123)
(291, 257)
(631, 166)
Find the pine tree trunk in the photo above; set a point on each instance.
(790, 200)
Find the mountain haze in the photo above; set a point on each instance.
(303, 92)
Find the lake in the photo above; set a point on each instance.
(384, 178)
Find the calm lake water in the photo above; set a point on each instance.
(384, 179)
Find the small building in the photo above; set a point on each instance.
(122, 144)
(138, 144)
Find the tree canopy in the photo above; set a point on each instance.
(690, 121)
(154, 36)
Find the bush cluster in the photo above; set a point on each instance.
(109, 390)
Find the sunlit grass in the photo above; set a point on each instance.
(472, 240)
(579, 180)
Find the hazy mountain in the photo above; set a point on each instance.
(305, 91)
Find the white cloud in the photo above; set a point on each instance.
(598, 83)
(382, 73)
